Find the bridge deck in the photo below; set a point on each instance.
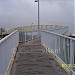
(32, 59)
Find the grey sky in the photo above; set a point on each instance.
(24, 12)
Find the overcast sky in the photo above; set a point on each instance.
(15, 13)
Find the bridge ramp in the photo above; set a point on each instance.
(33, 59)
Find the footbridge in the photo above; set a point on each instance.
(41, 27)
(22, 52)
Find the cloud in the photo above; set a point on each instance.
(59, 12)
(16, 12)
(23, 12)
(56, 0)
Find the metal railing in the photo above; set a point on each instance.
(7, 47)
(61, 45)
(29, 35)
(52, 40)
(60, 30)
(33, 28)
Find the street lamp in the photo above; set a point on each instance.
(38, 18)
(31, 30)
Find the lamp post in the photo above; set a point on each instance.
(38, 19)
(31, 30)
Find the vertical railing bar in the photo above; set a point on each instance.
(68, 45)
(59, 46)
(25, 35)
(71, 52)
(65, 50)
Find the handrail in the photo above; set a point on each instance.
(8, 43)
(62, 44)
(64, 36)
(7, 47)
(8, 36)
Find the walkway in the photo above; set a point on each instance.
(32, 59)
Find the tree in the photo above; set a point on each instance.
(1, 30)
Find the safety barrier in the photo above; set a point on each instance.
(58, 43)
(7, 47)
(60, 30)
(29, 35)
(61, 46)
